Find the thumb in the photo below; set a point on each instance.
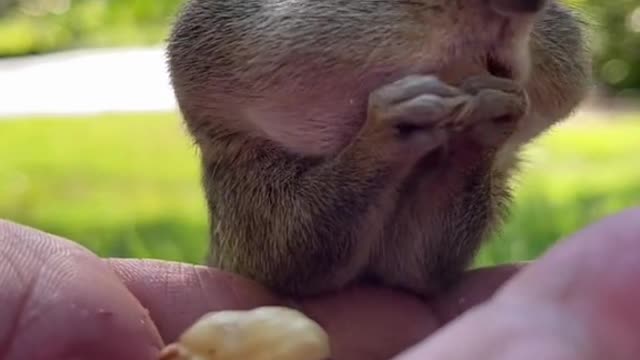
(60, 301)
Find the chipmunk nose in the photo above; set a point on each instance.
(518, 7)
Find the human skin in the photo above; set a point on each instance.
(579, 301)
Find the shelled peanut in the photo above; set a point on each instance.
(265, 333)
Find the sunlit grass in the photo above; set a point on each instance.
(576, 174)
(123, 186)
(128, 185)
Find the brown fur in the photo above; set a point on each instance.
(307, 185)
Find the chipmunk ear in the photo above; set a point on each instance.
(518, 7)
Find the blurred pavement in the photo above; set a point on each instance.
(85, 82)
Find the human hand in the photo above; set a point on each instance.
(580, 301)
(59, 301)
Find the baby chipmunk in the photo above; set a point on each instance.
(369, 139)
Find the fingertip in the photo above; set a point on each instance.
(60, 301)
(591, 275)
(604, 253)
(177, 294)
(371, 323)
(476, 287)
(578, 301)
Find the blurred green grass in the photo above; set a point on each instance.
(121, 185)
(128, 185)
(35, 26)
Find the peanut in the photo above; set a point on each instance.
(265, 333)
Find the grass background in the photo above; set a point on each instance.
(128, 185)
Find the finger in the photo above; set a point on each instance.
(355, 318)
(371, 323)
(59, 301)
(578, 302)
(476, 287)
(594, 275)
(178, 294)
